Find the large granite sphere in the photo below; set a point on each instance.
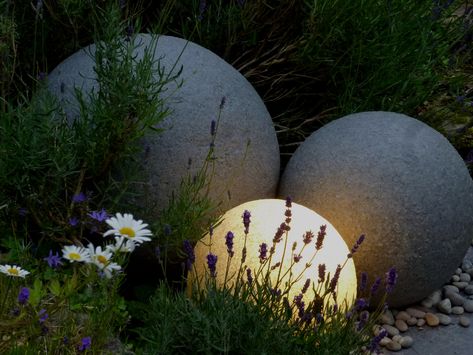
(396, 180)
(246, 147)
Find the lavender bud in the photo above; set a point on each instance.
(320, 237)
(229, 243)
(212, 264)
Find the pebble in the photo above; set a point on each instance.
(401, 325)
(431, 300)
(392, 331)
(450, 288)
(465, 277)
(393, 346)
(406, 342)
(387, 317)
(467, 265)
(431, 319)
(403, 315)
(444, 306)
(457, 310)
(455, 298)
(444, 319)
(412, 321)
(415, 312)
(468, 290)
(455, 278)
(461, 285)
(458, 271)
(397, 338)
(464, 321)
(384, 341)
(468, 306)
(470, 272)
(376, 329)
(420, 322)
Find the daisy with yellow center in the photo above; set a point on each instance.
(13, 271)
(126, 226)
(102, 259)
(73, 253)
(121, 244)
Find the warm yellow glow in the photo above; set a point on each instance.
(266, 216)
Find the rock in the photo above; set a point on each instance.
(431, 300)
(387, 317)
(420, 322)
(406, 180)
(432, 320)
(412, 321)
(445, 306)
(393, 346)
(468, 306)
(444, 319)
(455, 298)
(401, 325)
(470, 272)
(468, 290)
(246, 147)
(397, 338)
(457, 310)
(461, 285)
(464, 277)
(406, 342)
(403, 315)
(464, 321)
(466, 265)
(455, 278)
(458, 271)
(450, 288)
(413, 312)
(392, 331)
(384, 341)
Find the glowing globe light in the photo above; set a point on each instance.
(266, 216)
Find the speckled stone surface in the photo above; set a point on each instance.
(396, 180)
(247, 151)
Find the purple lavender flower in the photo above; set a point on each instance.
(361, 304)
(391, 278)
(202, 8)
(375, 286)
(279, 233)
(157, 252)
(334, 281)
(306, 286)
(24, 296)
(355, 247)
(288, 214)
(246, 220)
(53, 260)
(85, 343)
(22, 211)
(288, 202)
(213, 126)
(73, 221)
(167, 230)
(222, 102)
(189, 250)
(299, 304)
(362, 320)
(321, 273)
(249, 278)
(374, 346)
(80, 197)
(212, 264)
(42, 316)
(363, 281)
(211, 231)
(263, 250)
(320, 237)
(276, 292)
(129, 31)
(99, 216)
(229, 243)
(297, 258)
(307, 237)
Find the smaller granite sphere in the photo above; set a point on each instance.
(399, 182)
(246, 148)
(265, 218)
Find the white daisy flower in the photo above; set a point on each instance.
(122, 244)
(102, 259)
(74, 253)
(126, 226)
(13, 270)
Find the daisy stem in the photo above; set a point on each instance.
(6, 295)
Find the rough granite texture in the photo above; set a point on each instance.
(246, 145)
(396, 180)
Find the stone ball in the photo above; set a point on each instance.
(399, 182)
(266, 216)
(247, 162)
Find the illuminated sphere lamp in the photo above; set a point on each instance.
(266, 216)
